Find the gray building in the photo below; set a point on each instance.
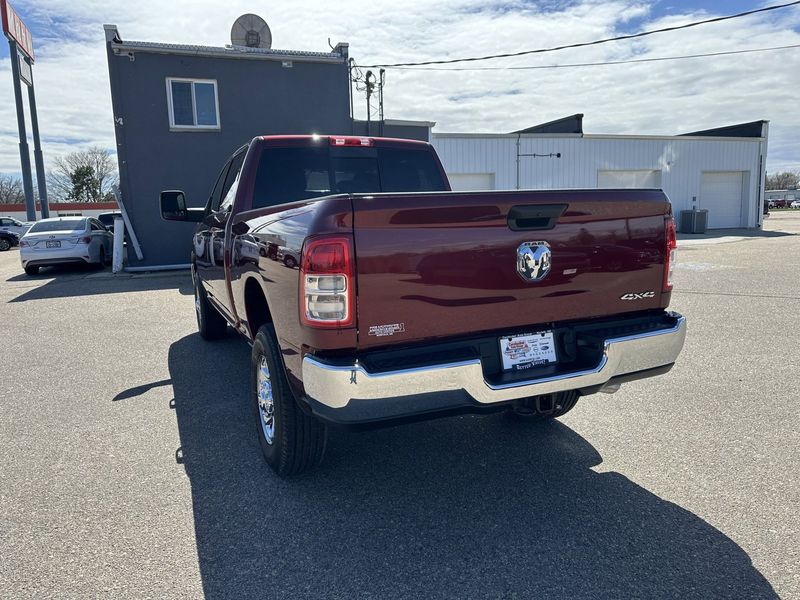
(181, 110)
(720, 170)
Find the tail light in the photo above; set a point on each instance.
(350, 141)
(84, 240)
(672, 246)
(327, 282)
(24, 244)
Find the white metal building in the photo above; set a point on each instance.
(721, 170)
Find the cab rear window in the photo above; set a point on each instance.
(293, 174)
(404, 170)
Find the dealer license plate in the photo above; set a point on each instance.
(528, 350)
(53, 244)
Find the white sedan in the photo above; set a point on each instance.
(795, 204)
(14, 226)
(65, 240)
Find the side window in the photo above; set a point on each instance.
(5, 222)
(95, 226)
(232, 181)
(216, 193)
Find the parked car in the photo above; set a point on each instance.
(795, 204)
(289, 257)
(107, 219)
(65, 240)
(14, 226)
(413, 301)
(8, 240)
(778, 203)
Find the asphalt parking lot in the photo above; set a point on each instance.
(130, 467)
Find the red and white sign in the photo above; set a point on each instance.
(15, 29)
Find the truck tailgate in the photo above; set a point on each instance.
(440, 265)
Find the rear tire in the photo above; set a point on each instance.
(211, 325)
(546, 407)
(290, 262)
(32, 270)
(291, 441)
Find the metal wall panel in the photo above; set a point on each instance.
(681, 160)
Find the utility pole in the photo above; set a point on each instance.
(370, 83)
(381, 82)
(350, 64)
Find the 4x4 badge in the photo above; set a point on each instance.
(638, 296)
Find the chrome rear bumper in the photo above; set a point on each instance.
(335, 386)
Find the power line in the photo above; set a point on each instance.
(584, 44)
(599, 64)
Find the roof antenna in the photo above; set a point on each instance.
(330, 45)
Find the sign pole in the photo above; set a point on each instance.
(38, 157)
(24, 153)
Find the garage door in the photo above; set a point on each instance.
(466, 182)
(721, 195)
(629, 179)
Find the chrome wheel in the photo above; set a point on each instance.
(266, 406)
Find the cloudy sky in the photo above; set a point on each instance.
(652, 98)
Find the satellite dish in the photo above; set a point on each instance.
(251, 31)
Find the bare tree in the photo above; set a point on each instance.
(11, 190)
(85, 176)
(785, 180)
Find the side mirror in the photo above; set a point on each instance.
(173, 205)
(173, 208)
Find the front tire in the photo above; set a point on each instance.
(211, 325)
(290, 262)
(4, 245)
(292, 441)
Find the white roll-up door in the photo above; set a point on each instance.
(721, 195)
(467, 182)
(629, 179)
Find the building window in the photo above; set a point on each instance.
(192, 104)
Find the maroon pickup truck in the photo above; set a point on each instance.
(373, 294)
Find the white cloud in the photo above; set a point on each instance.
(666, 97)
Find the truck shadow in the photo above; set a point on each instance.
(465, 507)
